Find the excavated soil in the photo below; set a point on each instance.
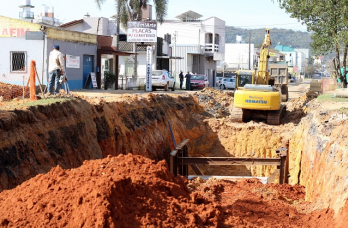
(132, 191)
(101, 162)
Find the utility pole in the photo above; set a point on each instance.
(175, 37)
(135, 73)
(117, 43)
(249, 48)
(118, 24)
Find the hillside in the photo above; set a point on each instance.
(282, 36)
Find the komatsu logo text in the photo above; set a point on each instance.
(254, 101)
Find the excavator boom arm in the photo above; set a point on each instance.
(262, 76)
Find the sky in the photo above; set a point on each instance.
(247, 14)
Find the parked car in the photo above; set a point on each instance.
(228, 83)
(199, 81)
(292, 79)
(218, 79)
(162, 79)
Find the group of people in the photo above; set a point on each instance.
(188, 79)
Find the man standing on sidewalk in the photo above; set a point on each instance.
(56, 68)
(188, 80)
(181, 76)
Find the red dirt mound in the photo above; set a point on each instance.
(123, 191)
(9, 91)
(133, 191)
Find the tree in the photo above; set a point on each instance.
(327, 20)
(130, 10)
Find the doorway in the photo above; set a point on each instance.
(88, 63)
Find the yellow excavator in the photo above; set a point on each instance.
(254, 98)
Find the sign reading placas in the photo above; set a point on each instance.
(142, 31)
(72, 61)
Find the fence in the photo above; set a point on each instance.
(126, 82)
(323, 85)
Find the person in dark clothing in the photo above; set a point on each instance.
(181, 76)
(188, 80)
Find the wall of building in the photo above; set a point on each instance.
(291, 58)
(237, 56)
(96, 25)
(70, 36)
(33, 50)
(77, 27)
(141, 69)
(304, 51)
(301, 62)
(216, 26)
(75, 75)
(10, 27)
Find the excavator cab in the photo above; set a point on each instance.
(243, 78)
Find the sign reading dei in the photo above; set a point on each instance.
(142, 31)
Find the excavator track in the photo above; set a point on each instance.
(275, 117)
(237, 115)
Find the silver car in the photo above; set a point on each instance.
(162, 79)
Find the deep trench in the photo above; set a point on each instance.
(37, 139)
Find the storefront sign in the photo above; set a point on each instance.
(142, 31)
(34, 35)
(94, 80)
(148, 78)
(72, 61)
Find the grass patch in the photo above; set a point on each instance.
(328, 97)
(343, 110)
(27, 103)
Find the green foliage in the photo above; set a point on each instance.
(286, 37)
(328, 20)
(130, 10)
(109, 79)
(330, 97)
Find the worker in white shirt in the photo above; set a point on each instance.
(56, 69)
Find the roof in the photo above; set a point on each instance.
(189, 16)
(168, 57)
(71, 23)
(112, 50)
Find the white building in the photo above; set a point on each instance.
(301, 62)
(47, 16)
(26, 14)
(239, 56)
(200, 43)
(305, 51)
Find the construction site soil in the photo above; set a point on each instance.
(101, 162)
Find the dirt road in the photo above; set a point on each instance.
(295, 89)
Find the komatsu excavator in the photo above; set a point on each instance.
(254, 98)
